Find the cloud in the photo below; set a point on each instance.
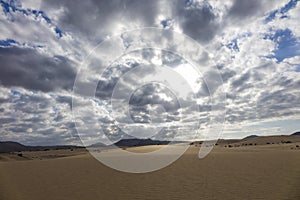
(32, 70)
(254, 44)
(103, 17)
(244, 8)
(241, 80)
(30, 118)
(196, 19)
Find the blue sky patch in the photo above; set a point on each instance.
(55, 108)
(164, 23)
(287, 44)
(7, 42)
(5, 7)
(290, 5)
(234, 43)
(41, 13)
(15, 92)
(8, 7)
(58, 32)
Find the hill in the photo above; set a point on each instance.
(250, 136)
(266, 140)
(96, 145)
(6, 147)
(139, 142)
(296, 133)
(9, 146)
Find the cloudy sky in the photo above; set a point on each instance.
(254, 45)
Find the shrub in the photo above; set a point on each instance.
(229, 146)
(20, 154)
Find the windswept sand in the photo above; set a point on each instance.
(256, 172)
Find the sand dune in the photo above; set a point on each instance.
(246, 172)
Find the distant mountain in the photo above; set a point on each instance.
(99, 144)
(251, 136)
(8, 146)
(296, 133)
(139, 142)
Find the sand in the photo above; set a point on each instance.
(256, 172)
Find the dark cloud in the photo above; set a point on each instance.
(110, 78)
(139, 114)
(288, 83)
(244, 8)
(6, 120)
(197, 20)
(210, 83)
(27, 68)
(280, 100)
(98, 18)
(227, 74)
(152, 103)
(241, 80)
(152, 94)
(278, 103)
(3, 100)
(64, 99)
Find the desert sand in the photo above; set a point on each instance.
(246, 172)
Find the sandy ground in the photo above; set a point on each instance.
(256, 172)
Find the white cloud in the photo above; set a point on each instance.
(233, 32)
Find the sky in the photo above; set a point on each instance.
(254, 46)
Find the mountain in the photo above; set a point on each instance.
(99, 144)
(251, 136)
(296, 133)
(8, 146)
(139, 142)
